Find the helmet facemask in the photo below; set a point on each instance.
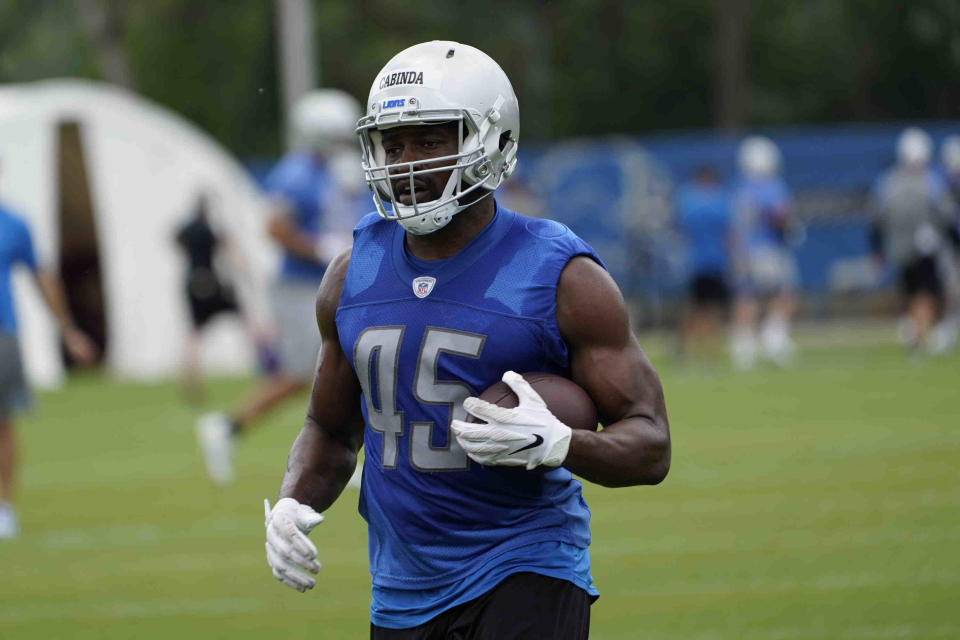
(470, 168)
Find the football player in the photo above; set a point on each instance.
(477, 527)
(16, 248)
(315, 205)
(765, 270)
(913, 214)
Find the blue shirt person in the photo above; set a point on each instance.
(16, 250)
(703, 214)
(16, 247)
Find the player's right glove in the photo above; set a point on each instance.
(289, 552)
(527, 435)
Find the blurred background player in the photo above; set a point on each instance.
(945, 332)
(703, 216)
(913, 214)
(16, 248)
(208, 293)
(950, 159)
(318, 195)
(765, 269)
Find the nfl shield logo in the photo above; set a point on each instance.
(423, 285)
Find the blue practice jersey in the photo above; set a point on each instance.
(422, 336)
(16, 246)
(761, 204)
(703, 214)
(302, 180)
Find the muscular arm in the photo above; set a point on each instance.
(324, 454)
(606, 360)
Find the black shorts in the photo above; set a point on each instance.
(208, 296)
(921, 276)
(709, 288)
(524, 606)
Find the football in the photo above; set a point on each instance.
(565, 398)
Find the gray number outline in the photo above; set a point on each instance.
(423, 455)
(379, 421)
(385, 342)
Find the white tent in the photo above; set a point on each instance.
(145, 166)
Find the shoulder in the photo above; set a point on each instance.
(328, 295)
(543, 228)
(552, 242)
(369, 221)
(589, 302)
(543, 231)
(372, 229)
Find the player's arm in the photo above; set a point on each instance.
(324, 455)
(606, 359)
(284, 230)
(78, 344)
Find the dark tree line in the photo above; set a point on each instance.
(580, 67)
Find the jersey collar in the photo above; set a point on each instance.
(407, 267)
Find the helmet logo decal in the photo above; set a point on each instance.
(393, 104)
(423, 285)
(401, 77)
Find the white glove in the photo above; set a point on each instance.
(289, 551)
(528, 435)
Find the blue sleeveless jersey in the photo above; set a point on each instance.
(422, 336)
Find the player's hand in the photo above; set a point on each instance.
(289, 552)
(527, 435)
(80, 347)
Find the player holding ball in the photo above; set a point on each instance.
(477, 529)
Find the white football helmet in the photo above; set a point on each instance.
(432, 83)
(758, 157)
(914, 147)
(324, 119)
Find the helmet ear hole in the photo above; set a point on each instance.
(504, 139)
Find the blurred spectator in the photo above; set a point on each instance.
(208, 292)
(703, 215)
(317, 189)
(945, 332)
(950, 157)
(913, 214)
(764, 266)
(16, 248)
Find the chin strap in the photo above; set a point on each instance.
(427, 222)
(435, 220)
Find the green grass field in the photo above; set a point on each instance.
(818, 502)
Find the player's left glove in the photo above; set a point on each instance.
(527, 435)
